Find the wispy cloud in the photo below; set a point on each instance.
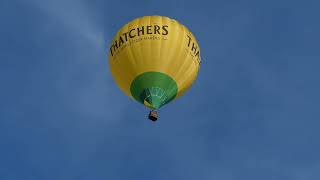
(76, 17)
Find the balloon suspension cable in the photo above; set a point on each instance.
(153, 115)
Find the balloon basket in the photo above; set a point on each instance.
(153, 115)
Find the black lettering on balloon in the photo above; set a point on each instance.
(149, 30)
(111, 50)
(165, 30)
(198, 54)
(130, 35)
(120, 41)
(156, 29)
(125, 36)
(140, 30)
(194, 48)
(113, 47)
(189, 40)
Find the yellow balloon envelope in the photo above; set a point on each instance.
(154, 59)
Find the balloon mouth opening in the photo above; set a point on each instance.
(154, 97)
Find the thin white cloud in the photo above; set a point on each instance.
(74, 16)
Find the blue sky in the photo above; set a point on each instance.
(253, 112)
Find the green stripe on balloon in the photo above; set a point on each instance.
(153, 89)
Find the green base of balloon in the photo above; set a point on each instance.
(153, 89)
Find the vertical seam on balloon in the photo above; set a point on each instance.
(187, 82)
(163, 49)
(172, 50)
(193, 75)
(149, 44)
(134, 63)
(182, 47)
(179, 56)
(140, 46)
(131, 60)
(160, 41)
(185, 60)
(178, 52)
(168, 52)
(159, 55)
(135, 59)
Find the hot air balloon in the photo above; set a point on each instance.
(154, 60)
